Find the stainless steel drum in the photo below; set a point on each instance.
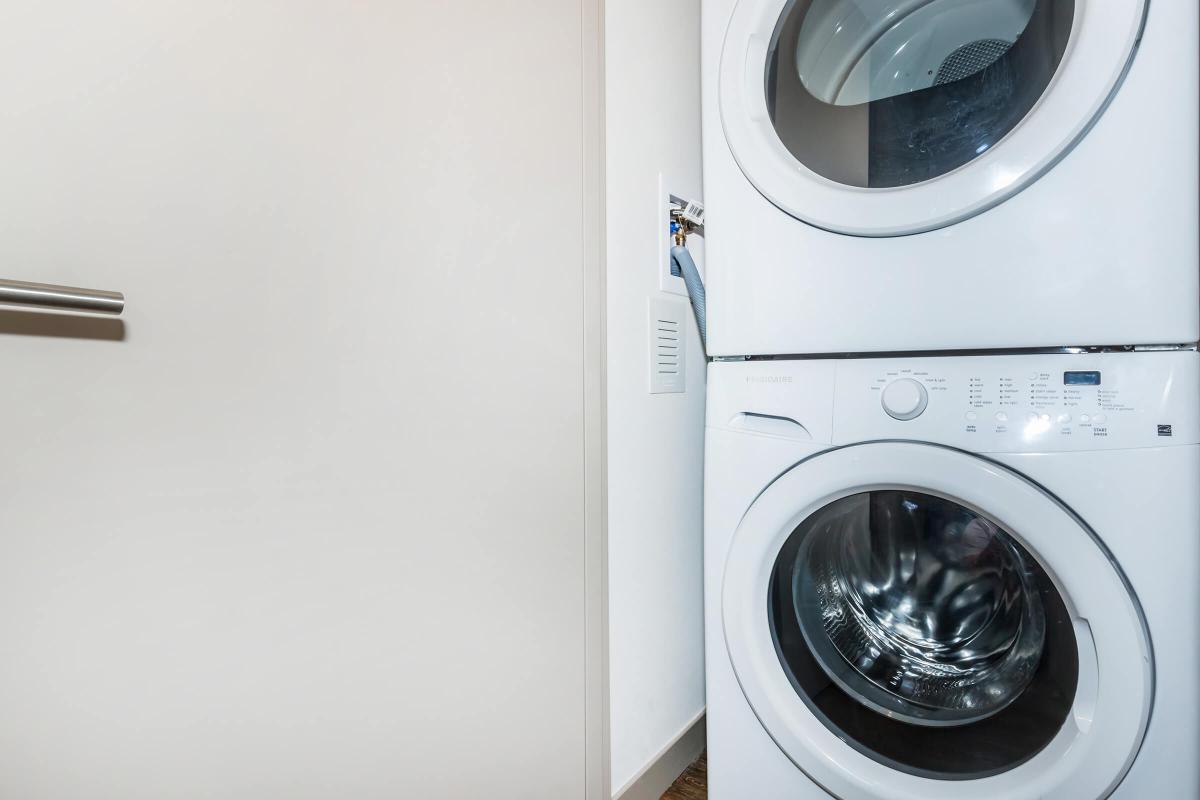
(918, 607)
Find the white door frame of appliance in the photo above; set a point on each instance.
(1104, 39)
(1083, 761)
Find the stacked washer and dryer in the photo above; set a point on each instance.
(952, 526)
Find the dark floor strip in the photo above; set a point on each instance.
(692, 784)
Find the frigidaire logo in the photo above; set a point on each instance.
(769, 379)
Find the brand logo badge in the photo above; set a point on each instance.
(1165, 430)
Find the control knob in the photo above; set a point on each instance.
(905, 399)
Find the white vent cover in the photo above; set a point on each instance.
(668, 354)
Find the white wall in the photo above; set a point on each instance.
(655, 448)
(310, 524)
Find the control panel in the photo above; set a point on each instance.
(989, 403)
(1014, 403)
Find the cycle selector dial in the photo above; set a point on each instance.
(905, 399)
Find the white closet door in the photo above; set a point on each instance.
(308, 522)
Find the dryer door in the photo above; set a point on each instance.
(890, 117)
(909, 621)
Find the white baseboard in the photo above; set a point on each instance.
(670, 762)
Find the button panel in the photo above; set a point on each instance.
(1022, 403)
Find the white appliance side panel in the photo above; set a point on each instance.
(1102, 250)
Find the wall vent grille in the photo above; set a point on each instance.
(668, 352)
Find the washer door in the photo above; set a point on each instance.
(909, 621)
(890, 117)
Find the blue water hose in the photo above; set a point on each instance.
(683, 266)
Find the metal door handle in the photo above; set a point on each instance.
(62, 298)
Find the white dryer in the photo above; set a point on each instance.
(940, 578)
(906, 175)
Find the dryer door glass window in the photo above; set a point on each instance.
(924, 634)
(887, 93)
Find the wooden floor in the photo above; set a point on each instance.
(691, 785)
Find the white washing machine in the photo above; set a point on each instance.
(924, 175)
(941, 578)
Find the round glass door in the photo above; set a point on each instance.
(895, 117)
(908, 616)
(923, 633)
(912, 89)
